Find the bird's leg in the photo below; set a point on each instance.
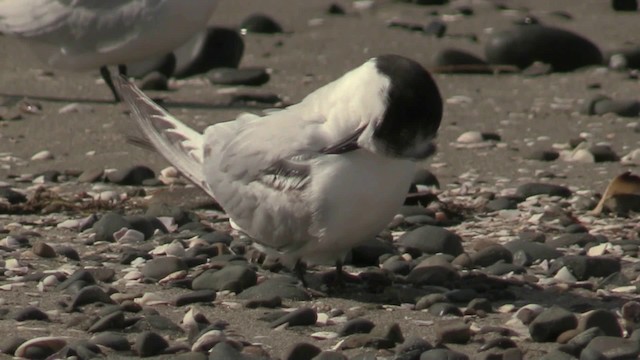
(340, 279)
(300, 270)
(106, 75)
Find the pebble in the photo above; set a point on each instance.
(431, 239)
(43, 249)
(531, 189)
(134, 175)
(613, 348)
(301, 317)
(283, 287)
(113, 321)
(40, 347)
(490, 255)
(260, 24)
(551, 323)
(161, 267)
(459, 61)
(31, 313)
(108, 224)
(302, 351)
(522, 45)
(624, 5)
(356, 326)
(603, 319)
(199, 296)
(42, 155)
(216, 47)
(453, 332)
(149, 343)
(585, 267)
(89, 295)
(244, 76)
(602, 104)
(443, 354)
(234, 278)
(12, 196)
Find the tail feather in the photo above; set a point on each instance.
(179, 144)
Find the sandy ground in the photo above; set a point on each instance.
(526, 112)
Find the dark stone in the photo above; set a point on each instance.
(283, 287)
(158, 268)
(9, 344)
(460, 62)
(235, 278)
(603, 319)
(134, 175)
(503, 203)
(369, 252)
(301, 317)
(435, 28)
(149, 344)
(81, 275)
(431, 239)
(604, 153)
(531, 189)
(566, 240)
(542, 155)
(302, 351)
(336, 9)
(204, 296)
(356, 326)
(502, 268)
(624, 5)
(108, 224)
(551, 323)
(12, 196)
(490, 255)
(613, 348)
(68, 252)
(584, 267)
(411, 349)
(445, 309)
(438, 275)
(145, 224)
(215, 47)
(260, 23)
(521, 46)
(453, 332)
(443, 354)
(30, 313)
(527, 252)
(112, 340)
(244, 76)
(89, 295)
(270, 303)
(113, 321)
(602, 104)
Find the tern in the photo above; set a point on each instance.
(81, 35)
(313, 180)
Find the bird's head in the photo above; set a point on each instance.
(411, 108)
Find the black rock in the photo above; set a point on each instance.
(302, 351)
(584, 267)
(490, 255)
(566, 240)
(437, 275)
(603, 319)
(602, 104)
(30, 313)
(81, 275)
(411, 349)
(235, 278)
(134, 175)
(145, 224)
(460, 61)
(158, 268)
(526, 252)
(12, 196)
(521, 46)
(112, 340)
(284, 287)
(456, 332)
(531, 189)
(89, 295)
(551, 323)
(108, 224)
(604, 153)
(369, 252)
(149, 344)
(270, 303)
(9, 344)
(443, 354)
(624, 5)
(436, 28)
(154, 81)
(613, 348)
(432, 240)
(205, 296)
(216, 47)
(224, 350)
(356, 326)
(113, 321)
(444, 309)
(244, 76)
(542, 155)
(336, 9)
(301, 317)
(503, 203)
(260, 23)
(68, 252)
(330, 355)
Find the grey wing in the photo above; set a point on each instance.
(104, 23)
(260, 170)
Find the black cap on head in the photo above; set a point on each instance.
(414, 107)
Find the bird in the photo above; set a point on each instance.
(82, 35)
(313, 180)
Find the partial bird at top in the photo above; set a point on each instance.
(315, 179)
(89, 34)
